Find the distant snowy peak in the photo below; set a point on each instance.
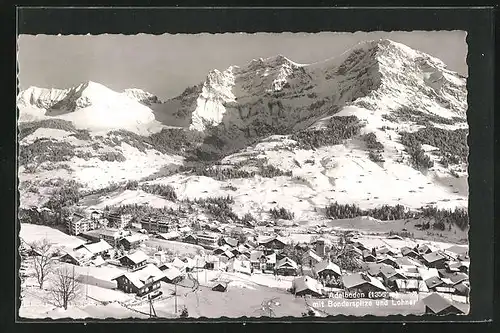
(142, 96)
(71, 99)
(89, 105)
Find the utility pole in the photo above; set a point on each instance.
(175, 296)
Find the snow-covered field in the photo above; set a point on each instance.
(32, 233)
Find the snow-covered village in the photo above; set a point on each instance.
(269, 189)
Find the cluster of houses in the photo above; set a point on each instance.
(420, 269)
(384, 269)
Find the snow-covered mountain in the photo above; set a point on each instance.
(251, 115)
(89, 105)
(380, 75)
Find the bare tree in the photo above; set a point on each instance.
(42, 260)
(65, 288)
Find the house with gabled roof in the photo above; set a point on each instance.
(327, 269)
(434, 260)
(172, 274)
(388, 260)
(437, 304)
(141, 282)
(100, 248)
(286, 267)
(409, 252)
(232, 242)
(362, 283)
(433, 282)
(134, 260)
(311, 258)
(272, 242)
(133, 241)
(306, 285)
(368, 256)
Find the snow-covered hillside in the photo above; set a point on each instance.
(89, 106)
(262, 111)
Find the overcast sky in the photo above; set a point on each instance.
(165, 65)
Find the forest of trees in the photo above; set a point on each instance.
(441, 217)
(166, 191)
(337, 130)
(281, 213)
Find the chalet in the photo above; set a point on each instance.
(212, 262)
(190, 239)
(79, 257)
(241, 266)
(436, 304)
(410, 285)
(261, 261)
(233, 242)
(385, 250)
(142, 281)
(327, 269)
(433, 282)
(306, 285)
(311, 258)
(457, 251)
(286, 267)
(135, 260)
(388, 260)
(272, 242)
(404, 262)
(408, 252)
(219, 286)
(411, 272)
(171, 235)
(455, 277)
(111, 236)
(462, 288)
(362, 284)
(221, 249)
(179, 264)
(133, 241)
(359, 245)
(368, 256)
(172, 274)
(434, 260)
(100, 248)
(422, 249)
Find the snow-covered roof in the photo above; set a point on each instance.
(140, 277)
(169, 235)
(327, 265)
(427, 273)
(313, 255)
(136, 238)
(98, 247)
(256, 255)
(137, 257)
(172, 273)
(433, 256)
(286, 263)
(357, 279)
(178, 263)
(307, 283)
(243, 266)
(438, 303)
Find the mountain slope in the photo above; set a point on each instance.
(379, 124)
(88, 106)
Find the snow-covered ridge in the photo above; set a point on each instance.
(382, 75)
(89, 105)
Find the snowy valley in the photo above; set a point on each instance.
(373, 141)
